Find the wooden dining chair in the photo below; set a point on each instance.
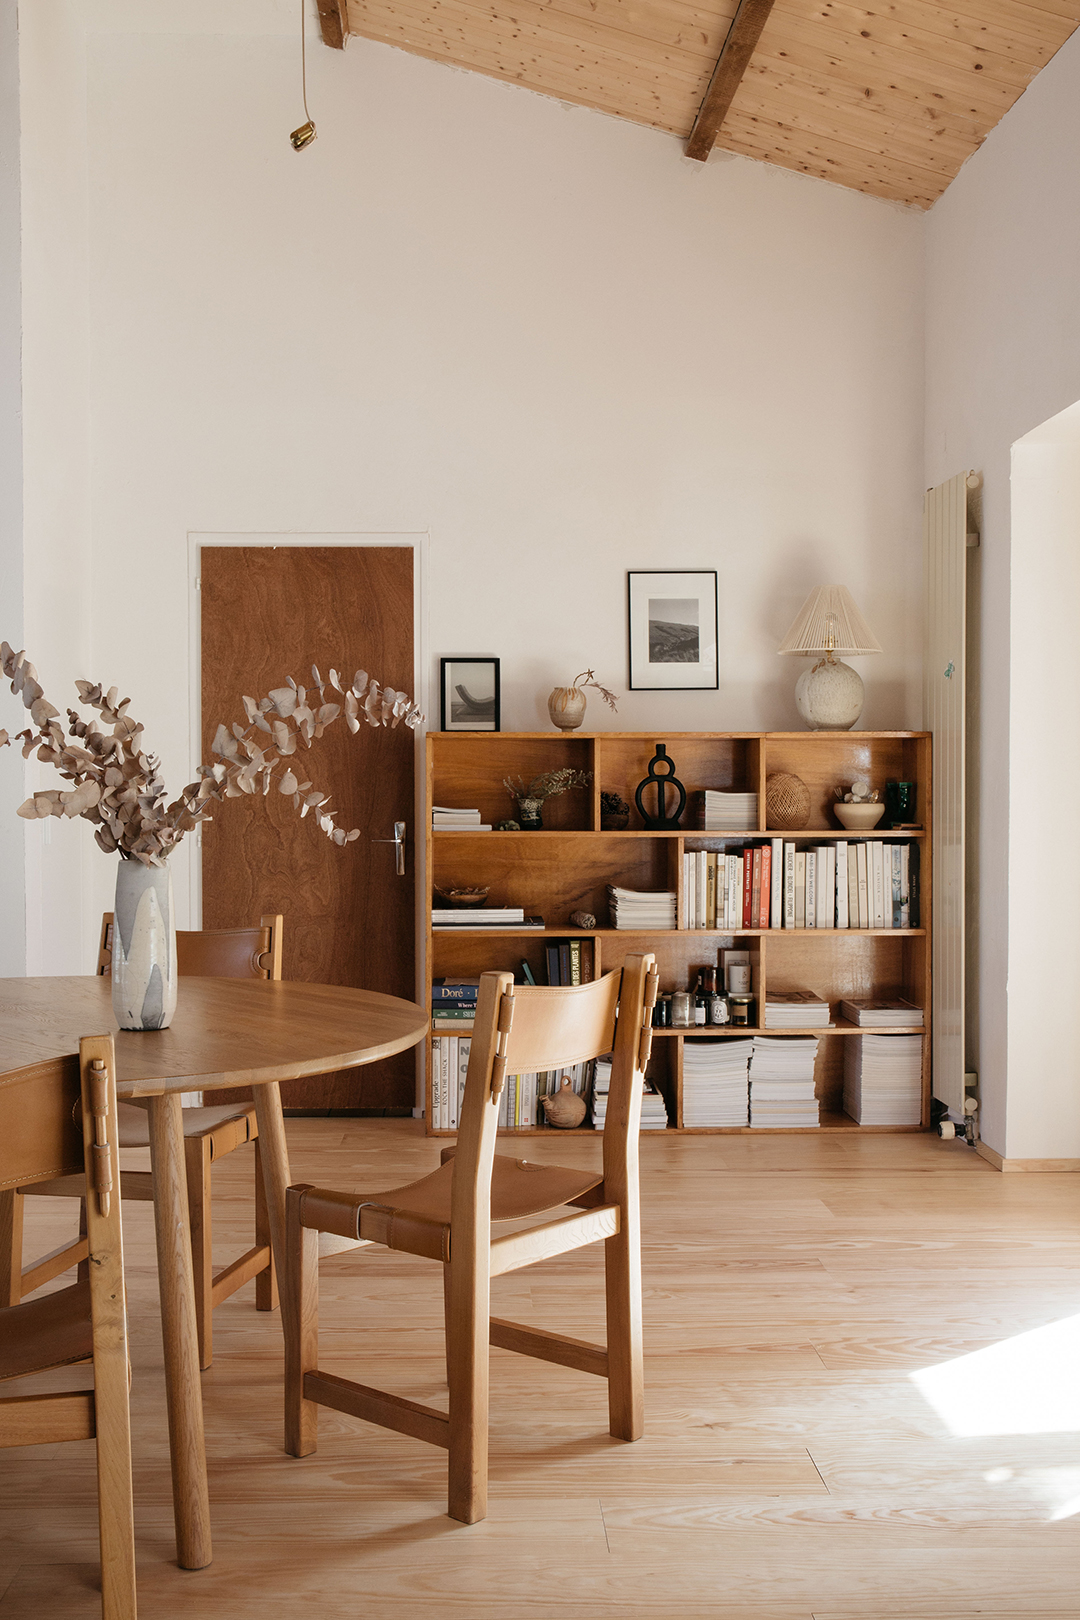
(447, 1216)
(209, 1134)
(44, 1133)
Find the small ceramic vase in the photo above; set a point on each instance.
(143, 947)
(565, 1109)
(531, 814)
(566, 706)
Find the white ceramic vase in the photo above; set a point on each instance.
(829, 696)
(566, 706)
(144, 947)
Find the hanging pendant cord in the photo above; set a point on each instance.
(303, 62)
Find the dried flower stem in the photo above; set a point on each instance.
(586, 678)
(118, 787)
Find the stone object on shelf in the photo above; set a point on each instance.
(583, 919)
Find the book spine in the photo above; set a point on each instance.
(748, 889)
(710, 889)
(841, 884)
(564, 961)
(436, 1072)
(877, 886)
(864, 887)
(464, 1048)
(551, 961)
(821, 869)
(702, 886)
(905, 885)
(776, 889)
(453, 992)
(588, 961)
(789, 885)
(452, 1078)
(755, 889)
(765, 895)
(689, 902)
(800, 888)
(897, 905)
(810, 902)
(913, 885)
(733, 894)
(853, 885)
(575, 961)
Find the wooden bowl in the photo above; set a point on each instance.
(463, 897)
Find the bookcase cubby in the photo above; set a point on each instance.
(567, 866)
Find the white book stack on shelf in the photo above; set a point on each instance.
(883, 1079)
(640, 910)
(716, 1082)
(653, 1112)
(795, 1009)
(728, 812)
(445, 818)
(782, 1082)
(882, 1014)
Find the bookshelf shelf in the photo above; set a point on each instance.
(566, 867)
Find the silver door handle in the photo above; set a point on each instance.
(398, 841)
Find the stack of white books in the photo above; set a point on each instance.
(883, 1079)
(782, 1082)
(444, 818)
(795, 1009)
(715, 1082)
(728, 812)
(653, 1112)
(481, 917)
(881, 1014)
(639, 910)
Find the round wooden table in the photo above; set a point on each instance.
(225, 1032)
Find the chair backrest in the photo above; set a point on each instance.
(518, 1029)
(38, 1133)
(216, 953)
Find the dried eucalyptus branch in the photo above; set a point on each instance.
(117, 784)
(549, 785)
(587, 678)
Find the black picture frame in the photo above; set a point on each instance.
(672, 630)
(470, 697)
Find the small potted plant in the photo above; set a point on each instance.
(614, 813)
(566, 705)
(530, 797)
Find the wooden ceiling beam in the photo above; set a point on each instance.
(334, 21)
(739, 47)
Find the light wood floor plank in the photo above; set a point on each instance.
(791, 1469)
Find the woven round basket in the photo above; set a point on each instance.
(787, 802)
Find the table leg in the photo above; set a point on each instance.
(191, 1501)
(276, 1177)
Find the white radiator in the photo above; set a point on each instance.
(945, 530)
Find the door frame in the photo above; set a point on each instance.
(418, 542)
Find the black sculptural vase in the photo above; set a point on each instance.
(662, 778)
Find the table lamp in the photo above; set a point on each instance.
(829, 695)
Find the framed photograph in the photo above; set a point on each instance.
(468, 694)
(673, 630)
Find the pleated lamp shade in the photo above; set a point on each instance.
(829, 621)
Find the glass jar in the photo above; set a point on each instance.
(741, 1009)
(682, 1010)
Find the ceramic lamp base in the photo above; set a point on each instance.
(829, 696)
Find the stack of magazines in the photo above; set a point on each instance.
(639, 910)
(726, 812)
(882, 1014)
(782, 1082)
(715, 1082)
(795, 1009)
(883, 1079)
(653, 1112)
(445, 818)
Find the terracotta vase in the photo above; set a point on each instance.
(565, 1108)
(144, 947)
(566, 706)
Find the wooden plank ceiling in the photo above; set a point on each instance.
(889, 99)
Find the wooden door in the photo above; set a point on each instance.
(269, 612)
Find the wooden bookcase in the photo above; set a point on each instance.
(567, 866)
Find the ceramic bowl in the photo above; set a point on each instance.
(463, 896)
(858, 817)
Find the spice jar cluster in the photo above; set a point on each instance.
(708, 1004)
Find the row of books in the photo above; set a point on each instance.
(653, 1109)
(519, 1103)
(725, 812)
(640, 909)
(766, 1083)
(446, 818)
(844, 884)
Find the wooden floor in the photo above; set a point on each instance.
(791, 1468)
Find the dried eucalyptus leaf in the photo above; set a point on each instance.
(288, 783)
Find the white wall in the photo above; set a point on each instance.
(1044, 782)
(538, 333)
(1003, 355)
(12, 858)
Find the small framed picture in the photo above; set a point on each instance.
(468, 694)
(673, 630)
